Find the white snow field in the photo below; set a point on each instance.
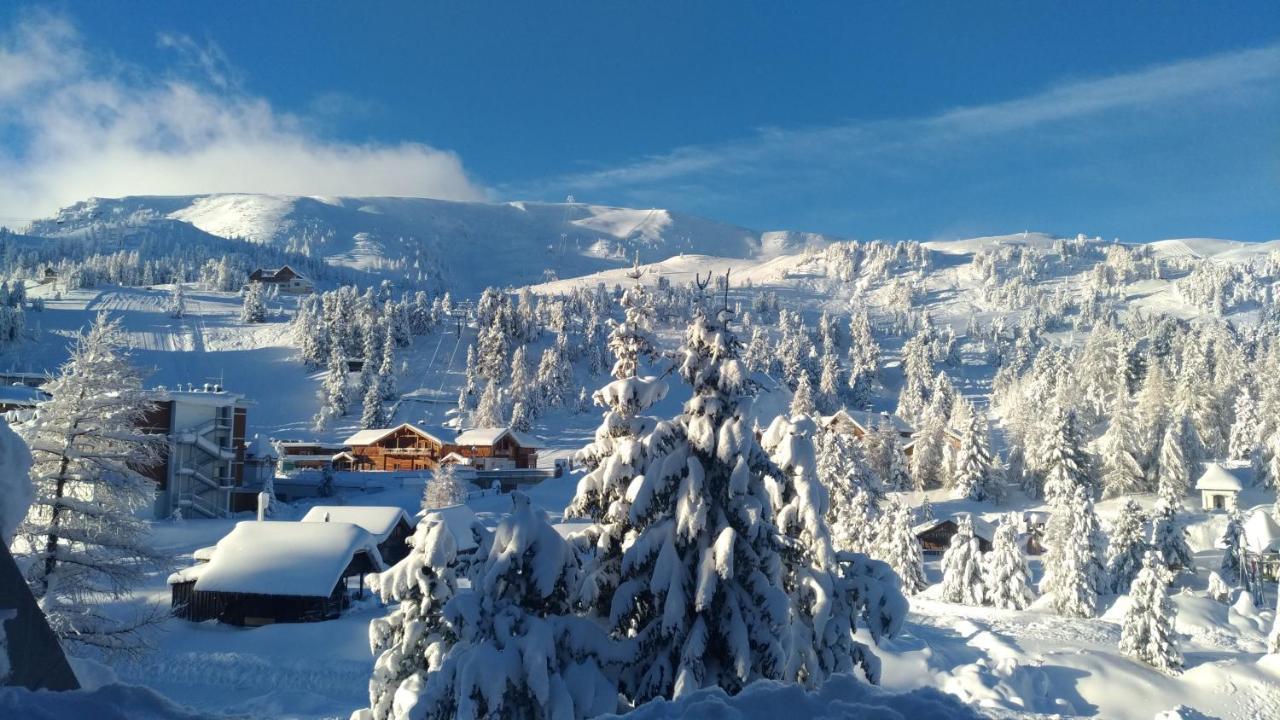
(1000, 663)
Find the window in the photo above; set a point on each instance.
(1219, 502)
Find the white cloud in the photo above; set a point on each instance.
(71, 130)
(1235, 76)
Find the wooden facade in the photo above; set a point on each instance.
(402, 448)
(937, 538)
(407, 448)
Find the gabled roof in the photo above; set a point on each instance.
(868, 420)
(378, 521)
(490, 436)
(371, 437)
(1216, 477)
(981, 528)
(282, 558)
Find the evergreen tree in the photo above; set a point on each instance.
(1246, 431)
(387, 366)
(855, 492)
(1273, 640)
(897, 545)
(82, 539)
(631, 340)
(1173, 478)
(758, 356)
(1006, 577)
(929, 453)
(520, 419)
(962, 567)
(519, 655)
(1147, 633)
(802, 399)
(1169, 538)
(1073, 570)
(177, 304)
(489, 412)
(829, 384)
(372, 414)
(1122, 472)
(1063, 461)
(412, 640)
(254, 307)
(887, 458)
(975, 474)
(1127, 548)
(444, 489)
(333, 391)
(1232, 544)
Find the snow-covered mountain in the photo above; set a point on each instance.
(467, 245)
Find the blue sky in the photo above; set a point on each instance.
(896, 120)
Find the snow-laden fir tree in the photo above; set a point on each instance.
(412, 640)
(758, 356)
(1127, 547)
(887, 458)
(444, 489)
(519, 655)
(372, 413)
(962, 567)
(929, 452)
(1232, 545)
(855, 491)
(974, 470)
(333, 391)
(83, 543)
(520, 418)
(1006, 577)
(1246, 431)
(1063, 460)
(177, 302)
(1172, 475)
(1169, 537)
(1074, 575)
(802, 400)
(1147, 633)
(631, 341)
(897, 545)
(489, 411)
(826, 593)
(254, 307)
(829, 385)
(387, 365)
(1122, 472)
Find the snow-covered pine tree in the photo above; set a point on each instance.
(1122, 472)
(929, 452)
(824, 600)
(372, 414)
(519, 655)
(177, 303)
(412, 640)
(631, 340)
(1006, 577)
(82, 539)
(1147, 633)
(1169, 538)
(1064, 461)
(1127, 548)
(1232, 544)
(855, 491)
(1172, 475)
(962, 567)
(887, 458)
(444, 489)
(896, 544)
(520, 419)
(1246, 431)
(802, 400)
(489, 411)
(1074, 574)
(387, 365)
(333, 391)
(829, 385)
(758, 356)
(974, 471)
(254, 307)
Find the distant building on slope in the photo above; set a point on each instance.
(859, 423)
(935, 535)
(286, 279)
(409, 447)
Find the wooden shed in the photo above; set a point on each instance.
(266, 572)
(935, 535)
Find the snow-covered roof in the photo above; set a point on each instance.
(981, 528)
(260, 448)
(22, 395)
(203, 554)
(1216, 477)
(1261, 534)
(369, 437)
(870, 420)
(377, 520)
(284, 558)
(491, 435)
(459, 519)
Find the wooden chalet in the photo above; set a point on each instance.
(859, 423)
(935, 535)
(266, 572)
(285, 278)
(390, 526)
(309, 455)
(409, 447)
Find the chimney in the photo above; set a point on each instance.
(264, 500)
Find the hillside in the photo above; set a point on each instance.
(465, 246)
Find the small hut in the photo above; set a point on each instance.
(1262, 544)
(267, 572)
(389, 526)
(935, 535)
(1219, 488)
